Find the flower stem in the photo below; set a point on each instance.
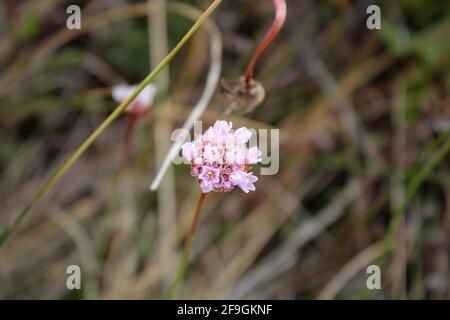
(132, 122)
(187, 247)
(280, 17)
(70, 161)
(129, 134)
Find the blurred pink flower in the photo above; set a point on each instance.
(220, 158)
(141, 104)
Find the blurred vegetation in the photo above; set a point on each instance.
(364, 118)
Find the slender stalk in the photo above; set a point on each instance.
(187, 247)
(280, 17)
(70, 161)
(132, 122)
(130, 133)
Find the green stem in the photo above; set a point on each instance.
(423, 172)
(187, 248)
(418, 178)
(69, 162)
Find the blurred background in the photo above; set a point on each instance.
(364, 119)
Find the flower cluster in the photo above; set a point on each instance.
(220, 158)
(141, 104)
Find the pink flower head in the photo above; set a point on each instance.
(220, 158)
(141, 104)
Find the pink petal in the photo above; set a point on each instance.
(253, 155)
(206, 186)
(188, 151)
(242, 135)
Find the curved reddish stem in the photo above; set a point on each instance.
(280, 17)
(131, 128)
(132, 122)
